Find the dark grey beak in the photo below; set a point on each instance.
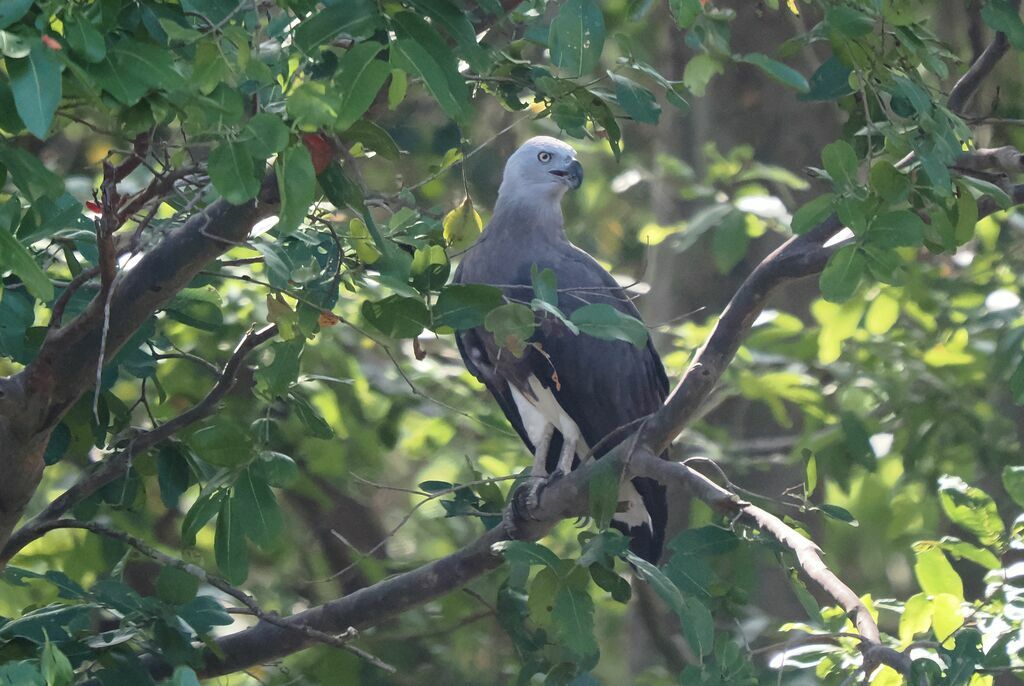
(573, 174)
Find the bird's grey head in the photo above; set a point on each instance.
(543, 168)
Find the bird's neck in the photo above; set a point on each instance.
(522, 218)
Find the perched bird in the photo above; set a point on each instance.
(568, 392)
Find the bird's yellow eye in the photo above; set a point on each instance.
(544, 157)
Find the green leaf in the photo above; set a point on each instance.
(311, 107)
(397, 88)
(29, 175)
(686, 11)
(971, 508)
(916, 618)
(1013, 481)
(604, 321)
(830, 81)
(902, 228)
(203, 612)
(311, 418)
(462, 226)
(935, 575)
(15, 257)
(848, 21)
(988, 188)
(375, 138)
(573, 617)
(173, 473)
(962, 550)
(430, 268)
(360, 76)
(233, 173)
(842, 274)
(257, 509)
(545, 285)
(397, 316)
(729, 242)
(354, 18)
(891, 184)
(603, 492)
(84, 39)
(512, 325)
(610, 581)
(464, 307)
(456, 24)
(202, 511)
(176, 586)
(410, 56)
(55, 666)
(132, 68)
(35, 83)
(529, 553)
(840, 162)
(200, 308)
(576, 37)
(223, 444)
(661, 584)
(813, 213)
(275, 379)
(296, 182)
(277, 469)
(637, 101)
(13, 10)
(777, 70)
(699, 72)
(838, 513)
(698, 625)
(266, 134)
(229, 545)
(1003, 15)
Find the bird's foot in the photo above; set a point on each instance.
(525, 499)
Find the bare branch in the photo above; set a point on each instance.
(1006, 159)
(976, 74)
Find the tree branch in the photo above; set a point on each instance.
(116, 465)
(966, 86)
(337, 641)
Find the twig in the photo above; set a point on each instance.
(337, 641)
(114, 466)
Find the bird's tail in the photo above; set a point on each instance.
(644, 519)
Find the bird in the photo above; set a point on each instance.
(567, 395)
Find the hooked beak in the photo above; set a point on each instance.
(572, 175)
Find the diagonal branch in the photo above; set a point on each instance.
(966, 86)
(116, 465)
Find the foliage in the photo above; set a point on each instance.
(122, 120)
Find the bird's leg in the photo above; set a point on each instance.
(526, 498)
(539, 470)
(566, 457)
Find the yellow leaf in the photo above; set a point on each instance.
(791, 4)
(279, 312)
(462, 226)
(359, 238)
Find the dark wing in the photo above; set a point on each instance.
(603, 385)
